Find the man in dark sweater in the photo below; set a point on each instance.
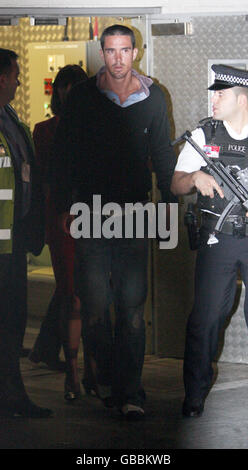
(112, 125)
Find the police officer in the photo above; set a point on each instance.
(225, 138)
(20, 231)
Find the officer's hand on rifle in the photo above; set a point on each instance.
(206, 184)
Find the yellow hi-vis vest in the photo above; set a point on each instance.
(7, 184)
(7, 196)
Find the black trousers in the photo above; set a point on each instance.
(13, 316)
(119, 355)
(215, 288)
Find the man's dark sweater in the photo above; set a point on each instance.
(103, 148)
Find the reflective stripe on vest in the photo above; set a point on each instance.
(5, 234)
(6, 195)
(5, 162)
(7, 181)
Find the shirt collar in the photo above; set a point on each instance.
(234, 134)
(145, 82)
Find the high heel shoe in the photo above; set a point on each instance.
(71, 392)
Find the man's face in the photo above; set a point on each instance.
(9, 82)
(118, 55)
(225, 105)
(13, 80)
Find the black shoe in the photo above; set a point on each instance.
(95, 390)
(72, 395)
(132, 412)
(192, 408)
(52, 364)
(23, 408)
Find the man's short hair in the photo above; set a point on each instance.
(240, 90)
(115, 30)
(6, 59)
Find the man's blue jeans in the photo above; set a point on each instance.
(114, 271)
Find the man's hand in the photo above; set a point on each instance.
(65, 221)
(206, 184)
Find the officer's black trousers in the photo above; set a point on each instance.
(13, 314)
(215, 288)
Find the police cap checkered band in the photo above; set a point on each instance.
(227, 77)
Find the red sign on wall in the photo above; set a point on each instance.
(48, 86)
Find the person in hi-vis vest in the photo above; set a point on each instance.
(21, 231)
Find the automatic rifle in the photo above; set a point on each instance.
(233, 181)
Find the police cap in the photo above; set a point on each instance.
(228, 77)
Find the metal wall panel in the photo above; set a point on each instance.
(18, 37)
(234, 340)
(181, 65)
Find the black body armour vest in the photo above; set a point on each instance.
(231, 152)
